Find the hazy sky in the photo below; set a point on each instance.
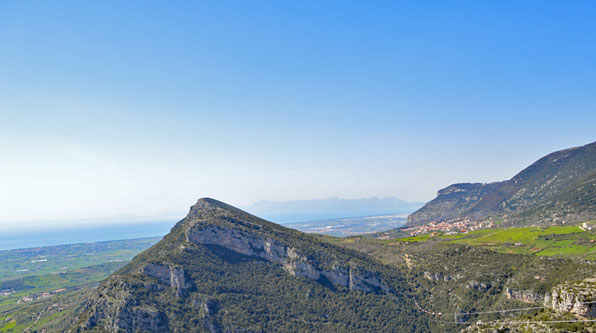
(142, 108)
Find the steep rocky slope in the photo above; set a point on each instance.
(470, 285)
(559, 186)
(222, 269)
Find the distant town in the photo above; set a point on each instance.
(448, 227)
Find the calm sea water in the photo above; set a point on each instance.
(83, 234)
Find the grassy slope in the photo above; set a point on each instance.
(555, 241)
(442, 273)
(53, 314)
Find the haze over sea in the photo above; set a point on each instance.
(82, 234)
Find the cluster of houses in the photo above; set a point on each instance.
(587, 226)
(6, 292)
(449, 227)
(40, 296)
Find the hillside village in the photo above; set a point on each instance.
(449, 227)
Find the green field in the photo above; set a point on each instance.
(43, 287)
(54, 313)
(554, 241)
(65, 258)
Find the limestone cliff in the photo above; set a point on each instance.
(222, 269)
(578, 298)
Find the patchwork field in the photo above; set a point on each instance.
(554, 241)
(40, 288)
(65, 258)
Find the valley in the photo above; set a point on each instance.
(297, 166)
(43, 288)
(223, 269)
(456, 274)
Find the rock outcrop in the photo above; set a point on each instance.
(222, 269)
(287, 256)
(442, 277)
(121, 312)
(173, 276)
(477, 285)
(527, 296)
(578, 298)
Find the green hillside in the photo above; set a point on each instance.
(460, 280)
(569, 241)
(45, 287)
(221, 269)
(558, 187)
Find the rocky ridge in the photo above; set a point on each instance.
(558, 187)
(218, 253)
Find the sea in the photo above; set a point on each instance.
(82, 234)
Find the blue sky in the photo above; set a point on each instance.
(141, 108)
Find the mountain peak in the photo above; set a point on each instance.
(219, 255)
(210, 206)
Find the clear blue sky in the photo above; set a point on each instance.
(140, 108)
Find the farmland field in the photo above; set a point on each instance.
(554, 241)
(41, 287)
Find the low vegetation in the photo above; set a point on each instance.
(455, 279)
(457, 275)
(553, 241)
(64, 258)
(57, 281)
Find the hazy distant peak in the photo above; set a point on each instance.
(330, 200)
(321, 209)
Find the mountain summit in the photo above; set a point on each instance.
(560, 186)
(222, 269)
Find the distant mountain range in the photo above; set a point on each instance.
(351, 226)
(558, 187)
(332, 208)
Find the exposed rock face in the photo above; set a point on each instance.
(440, 276)
(528, 296)
(477, 285)
(287, 256)
(576, 298)
(220, 269)
(123, 314)
(175, 277)
(571, 297)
